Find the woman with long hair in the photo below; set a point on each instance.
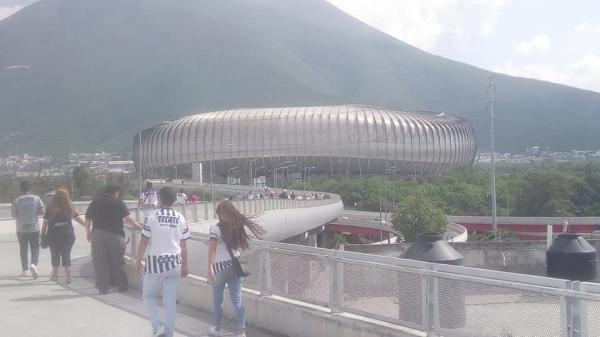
(58, 226)
(227, 239)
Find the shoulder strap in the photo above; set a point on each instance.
(230, 251)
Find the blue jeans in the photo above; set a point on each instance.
(234, 284)
(151, 290)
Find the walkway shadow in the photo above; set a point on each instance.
(47, 298)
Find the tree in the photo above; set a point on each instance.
(83, 182)
(546, 193)
(417, 215)
(339, 240)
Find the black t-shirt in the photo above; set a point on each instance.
(60, 227)
(107, 213)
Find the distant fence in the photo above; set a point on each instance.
(201, 211)
(81, 207)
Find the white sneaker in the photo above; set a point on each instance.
(243, 334)
(25, 273)
(214, 332)
(160, 332)
(34, 271)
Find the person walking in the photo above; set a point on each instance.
(104, 227)
(148, 198)
(58, 226)
(163, 242)
(25, 209)
(181, 198)
(227, 238)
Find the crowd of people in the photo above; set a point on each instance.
(162, 254)
(149, 197)
(268, 193)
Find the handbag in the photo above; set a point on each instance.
(44, 241)
(240, 268)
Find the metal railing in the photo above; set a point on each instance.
(81, 207)
(204, 210)
(441, 300)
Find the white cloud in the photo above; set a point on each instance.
(6, 11)
(422, 23)
(539, 43)
(583, 72)
(587, 28)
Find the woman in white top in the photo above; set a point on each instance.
(229, 234)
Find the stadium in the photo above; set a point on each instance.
(344, 140)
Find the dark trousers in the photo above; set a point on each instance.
(61, 252)
(26, 241)
(107, 256)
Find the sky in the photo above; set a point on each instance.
(552, 40)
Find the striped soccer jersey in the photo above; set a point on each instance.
(222, 258)
(165, 228)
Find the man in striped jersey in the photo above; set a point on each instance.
(163, 242)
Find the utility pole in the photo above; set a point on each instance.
(212, 188)
(380, 212)
(492, 89)
(140, 161)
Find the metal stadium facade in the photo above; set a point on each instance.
(346, 139)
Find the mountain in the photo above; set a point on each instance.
(99, 70)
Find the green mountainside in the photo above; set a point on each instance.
(99, 70)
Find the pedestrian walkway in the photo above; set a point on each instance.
(41, 308)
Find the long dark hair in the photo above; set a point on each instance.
(61, 204)
(233, 223)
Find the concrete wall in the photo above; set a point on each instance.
(525, 257)
(279, 225)
(282, 224)
(284, 316)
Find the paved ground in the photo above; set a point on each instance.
(41, 308)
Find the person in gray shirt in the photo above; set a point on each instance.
(25, 209)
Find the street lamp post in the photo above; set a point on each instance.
(139, 162)
(252, 175)
(229, 172)
(282, 168)
(380, 213)
(256, 170)
(286, 173)
(507, 194)
(306, 170)
(275, 171)
(212, 160)
(212, 187)
(391, 171)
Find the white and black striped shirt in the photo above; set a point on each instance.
(161, 263)
(165, 228)
(222, 258)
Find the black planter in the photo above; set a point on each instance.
(571, 257)
(433, 248)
